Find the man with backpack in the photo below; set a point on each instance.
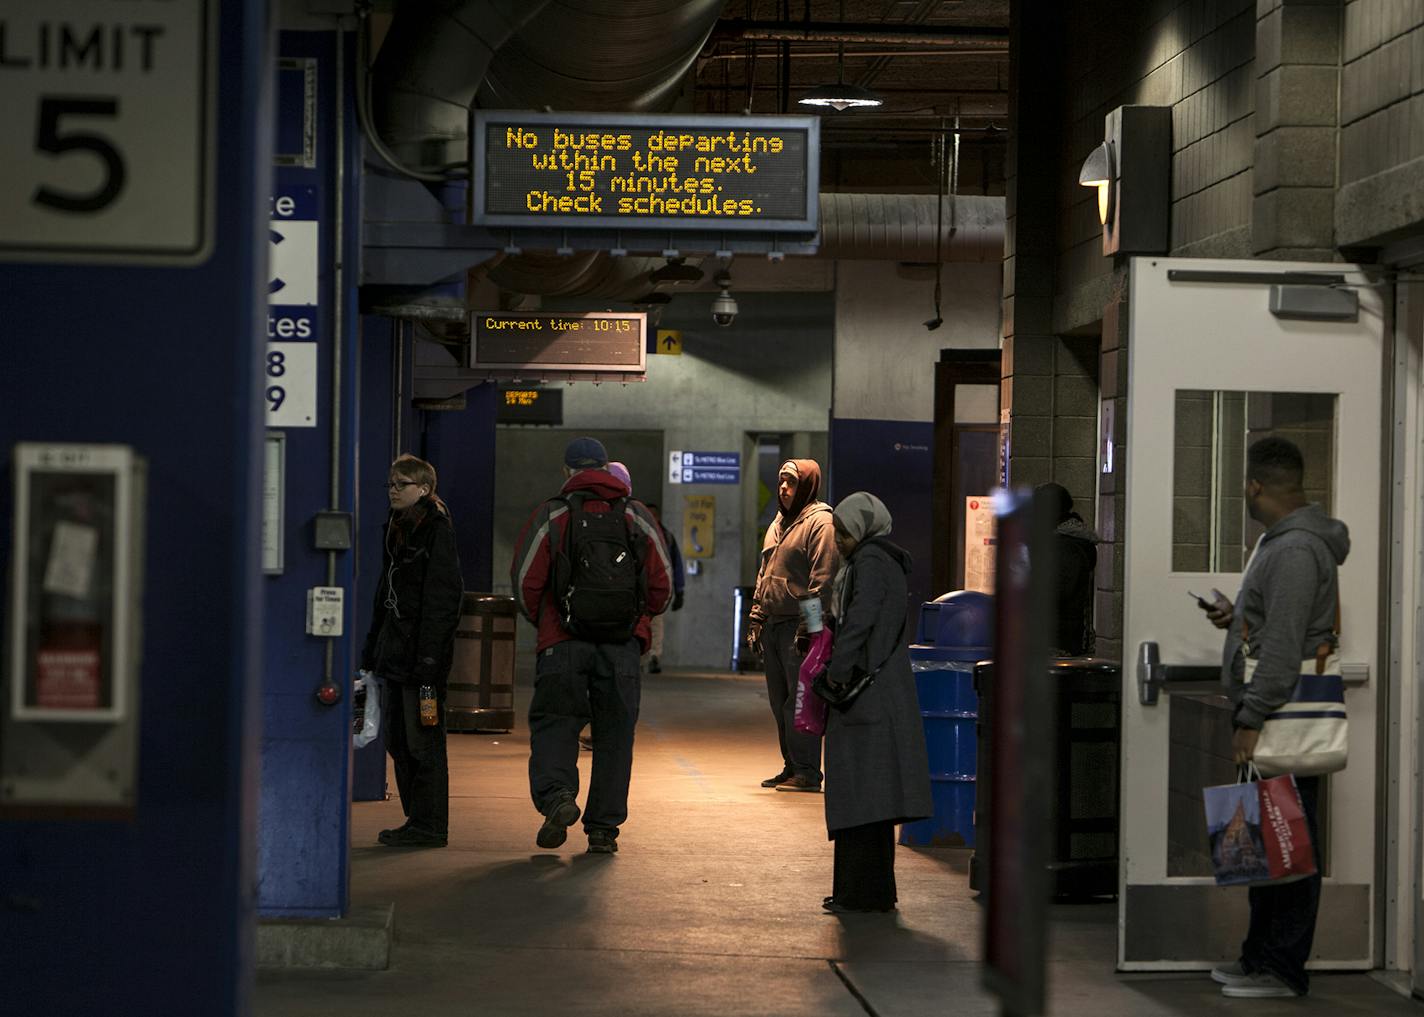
(589, 570)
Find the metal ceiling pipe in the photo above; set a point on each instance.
(430, 67)
(545, 54)
(586, 274)
(901, 227)
(595, 55)
(741, 30)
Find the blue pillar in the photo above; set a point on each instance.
(312, 401)
(152, 913)
(893, 460)
(460, 444)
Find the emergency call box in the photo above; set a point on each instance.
(68, 731)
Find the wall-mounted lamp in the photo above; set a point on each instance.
(1097, 172)
(1132, 171)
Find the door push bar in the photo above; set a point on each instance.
(1153, 675)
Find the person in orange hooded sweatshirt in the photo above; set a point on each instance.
(798, 560)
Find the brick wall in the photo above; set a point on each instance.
(1195, 56)
(1381, 170)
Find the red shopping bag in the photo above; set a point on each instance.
(1257, 832)
(811, 708)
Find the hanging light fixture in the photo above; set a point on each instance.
(840, 96)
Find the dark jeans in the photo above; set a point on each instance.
(800, 752)
(422, 769)
(1283, 917)
(578, 683)
(865, 866)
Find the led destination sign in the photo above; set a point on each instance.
(593, 342)
(646, 172)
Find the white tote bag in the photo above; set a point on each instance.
(1309, 735)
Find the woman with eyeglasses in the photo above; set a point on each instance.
(411, 644)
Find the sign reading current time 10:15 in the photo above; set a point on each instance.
(646, 172)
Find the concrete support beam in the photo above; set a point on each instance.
(1297, 134)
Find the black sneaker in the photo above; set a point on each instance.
(798, 783)
(773, 781)
(654, 666)
(602, 842)
(411, 836)
(385, 835)
(563, 814)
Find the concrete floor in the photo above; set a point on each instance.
(711, 907)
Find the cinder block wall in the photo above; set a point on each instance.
(1297, 133)
(1381, 175)
(1197, 58)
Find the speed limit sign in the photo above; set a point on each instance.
(106, 130)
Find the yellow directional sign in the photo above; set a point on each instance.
(699, 522)
(669, 342)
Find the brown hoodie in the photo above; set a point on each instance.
(798, 557)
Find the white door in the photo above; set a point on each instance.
(1211, 369)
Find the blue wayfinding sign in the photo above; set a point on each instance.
(705, 467)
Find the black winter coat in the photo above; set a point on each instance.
(877, 768)
(1077, 559)
(417, 608)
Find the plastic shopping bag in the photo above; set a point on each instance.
(811, 708)
(1258, 832)
(366, 723)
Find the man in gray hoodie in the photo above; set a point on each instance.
(1284, 614)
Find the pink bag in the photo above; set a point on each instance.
(811, 708)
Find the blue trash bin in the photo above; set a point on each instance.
(954, 632)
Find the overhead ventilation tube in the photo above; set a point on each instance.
(901, 227)
(441, 59)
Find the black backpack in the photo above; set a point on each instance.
(598, 578)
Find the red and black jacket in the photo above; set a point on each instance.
(532, 570)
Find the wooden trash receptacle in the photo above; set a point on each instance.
(481, 686)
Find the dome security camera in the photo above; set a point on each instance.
(724, 309)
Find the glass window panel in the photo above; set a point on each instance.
(1211, 529)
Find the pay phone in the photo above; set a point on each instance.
(69, 727)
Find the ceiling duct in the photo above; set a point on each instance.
(440, 58)
(901, 227)
(431, 65)
(599, 56)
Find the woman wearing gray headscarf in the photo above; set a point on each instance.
(877, 773)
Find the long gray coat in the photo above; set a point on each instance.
(876, 767)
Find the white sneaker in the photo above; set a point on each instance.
(1230, 974)
(1261, 985)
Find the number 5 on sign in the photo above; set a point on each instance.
(289, 384)
(106, 130)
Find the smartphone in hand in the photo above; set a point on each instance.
(1201, 603)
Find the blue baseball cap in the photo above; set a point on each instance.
(585, 454)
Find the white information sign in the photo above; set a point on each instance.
(979, 540)
(274, 482)
(106, 130)
(290, 392)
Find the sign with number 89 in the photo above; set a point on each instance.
(289, 380)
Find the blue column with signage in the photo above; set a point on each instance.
(130, 226)
(304, 811)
